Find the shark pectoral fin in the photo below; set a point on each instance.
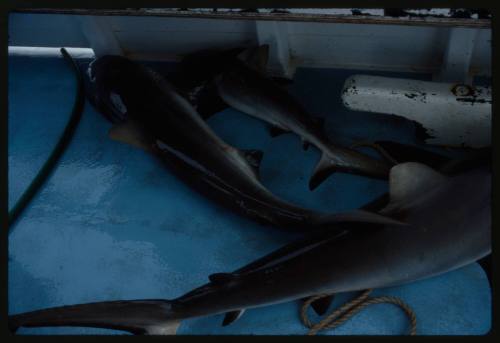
(208, 102)
(134, 316)
(323, 170)
(232, 316)
(256, 57)
(130, 132)
(275, 131)
(360, 216)
(321, 305)
(410, 180)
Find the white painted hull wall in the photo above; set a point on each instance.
(452, 53)
(306, 44)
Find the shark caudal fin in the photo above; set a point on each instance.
(347, 161)
(139, 317)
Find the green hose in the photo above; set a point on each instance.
(58, 150)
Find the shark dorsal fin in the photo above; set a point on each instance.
(321, 305)
(232, 316)
(322, 171)
(411, 180)
(256, 57)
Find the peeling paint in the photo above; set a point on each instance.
(443, 117)
(438, 13)
(460, 13)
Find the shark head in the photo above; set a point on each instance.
(110, 79)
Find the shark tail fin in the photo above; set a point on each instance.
(139, 317)
(347, 161)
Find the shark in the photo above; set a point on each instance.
(149, 113)
(237, 78)
(447, 225)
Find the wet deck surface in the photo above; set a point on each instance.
(111, 223)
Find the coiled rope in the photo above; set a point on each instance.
(346, 311)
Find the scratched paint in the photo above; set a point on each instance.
(112, 223)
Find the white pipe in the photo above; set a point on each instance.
(39, 51)
(453, 114)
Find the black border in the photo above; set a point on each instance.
(8, 5)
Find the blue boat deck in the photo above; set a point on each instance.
(112, 223)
